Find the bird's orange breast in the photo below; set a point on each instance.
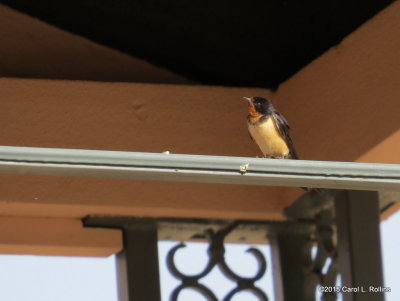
(268, 138)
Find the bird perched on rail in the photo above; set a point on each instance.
(269, 129)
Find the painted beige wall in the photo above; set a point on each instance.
(343, 106)
(352, 95)
(62, 237)
(33, 49)
(130, 117)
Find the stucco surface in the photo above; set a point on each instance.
(33, 49)
(131, 117)
(49, 236)
(344, 106)
(351, 94)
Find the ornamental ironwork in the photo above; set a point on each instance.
(216, 253)
(323, 266)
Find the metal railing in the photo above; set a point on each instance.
(196, 168)
(330, 221)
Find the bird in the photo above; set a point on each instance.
(271, 132)
(269, 129)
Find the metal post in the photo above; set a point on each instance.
(291, 254)
(360, 264)
(137, 265)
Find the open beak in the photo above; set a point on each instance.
(250, 104)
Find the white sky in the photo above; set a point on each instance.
(41, 278)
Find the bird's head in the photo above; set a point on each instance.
(258, 105)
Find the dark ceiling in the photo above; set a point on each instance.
(236, 43)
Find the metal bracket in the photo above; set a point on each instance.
(347, 242)
(341, 226)
(137, 265)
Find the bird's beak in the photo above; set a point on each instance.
(250, 105)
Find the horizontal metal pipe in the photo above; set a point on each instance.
(195, 168)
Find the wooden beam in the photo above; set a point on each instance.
(131, 117)
(61, 237)
(33, 49)
(341, 107)
(344, 106)
(385, 151)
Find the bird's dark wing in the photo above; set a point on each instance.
(284, 130)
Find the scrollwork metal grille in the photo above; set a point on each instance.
(216, 253)
(323, 268)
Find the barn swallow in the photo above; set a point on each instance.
(269, 129)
